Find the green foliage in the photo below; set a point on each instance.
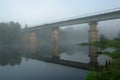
(102, 75)
(91, 76)
(9, 32)
(115, 68)
(113, 73)
(118, 36)
(101, 45)
(103, 38)
(114, 43)
(115, 54)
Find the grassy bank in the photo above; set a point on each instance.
(113, 71)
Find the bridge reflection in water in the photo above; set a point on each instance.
(55, 58)
(12, 56)
(16, 64)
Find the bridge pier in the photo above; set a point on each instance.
(26, 40)
(93, 37)
(55, 43)
(93, 55)
(33, 42)
(93, 32)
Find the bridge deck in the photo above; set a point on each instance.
(87, 19)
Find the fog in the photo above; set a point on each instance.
(78, 33)
(75, 34)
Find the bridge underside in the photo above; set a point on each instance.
(92, 33)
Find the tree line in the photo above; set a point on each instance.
(10, 33)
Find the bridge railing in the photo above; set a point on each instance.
(95, 13)
(86, 15)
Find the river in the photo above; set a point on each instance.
(14, 65)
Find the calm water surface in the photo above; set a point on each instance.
(15, 66)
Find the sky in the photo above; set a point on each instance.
(37, 12)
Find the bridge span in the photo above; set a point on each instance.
(115, 14)
(92, 33)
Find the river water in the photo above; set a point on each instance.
(14, 65)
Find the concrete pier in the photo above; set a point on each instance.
(93, 32)
(33, 42)
(55, 43)
(93, 55)
(93, 37)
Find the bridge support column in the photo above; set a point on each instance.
(93, 32)
(55, 43)
(93, 54)
(93, 37)
(33, 42)
(26, 41)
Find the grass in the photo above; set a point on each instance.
(113, 72)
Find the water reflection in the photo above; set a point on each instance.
(12, 56)
(93, 55)
(9, 56)
(32, 69)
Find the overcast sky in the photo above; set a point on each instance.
(37, 12)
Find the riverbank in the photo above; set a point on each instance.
(113, 71)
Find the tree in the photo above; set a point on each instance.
(9, 32)
(103, 38)
(118, 35)
(26, 26)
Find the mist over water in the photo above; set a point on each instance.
(15, 62)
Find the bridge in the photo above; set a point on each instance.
(92, 20)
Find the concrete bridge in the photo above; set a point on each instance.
(92, 20)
